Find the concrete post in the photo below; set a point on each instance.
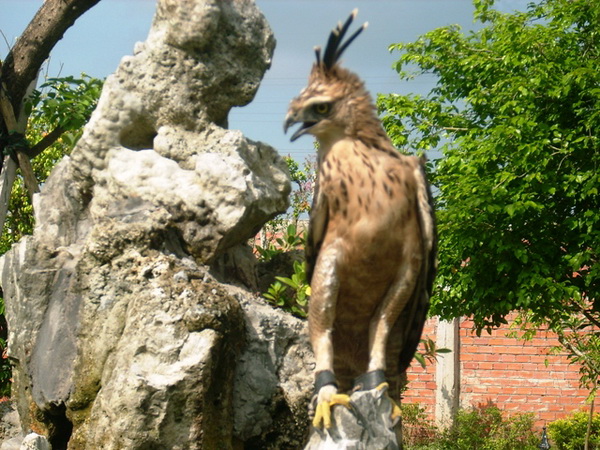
(447, 373)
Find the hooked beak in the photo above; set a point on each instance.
(291, 119)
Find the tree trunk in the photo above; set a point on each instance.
(12, 126)
(589, 424)
(18, 71)
(35, 44)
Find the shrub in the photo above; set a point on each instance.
(486, 428)
(569, 433)
(417, 431)
(291, 293)
(287, 292)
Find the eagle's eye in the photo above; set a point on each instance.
(322, 108)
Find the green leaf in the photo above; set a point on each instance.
(421, 360)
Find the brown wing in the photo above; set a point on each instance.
(412, 319)
(319, 217)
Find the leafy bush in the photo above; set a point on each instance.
(280, 241)
(417, 431)
(569, 433)
(66, 103)
(481, 428)
(430, 352)
(288, 292)
(291, 293)
(486, 428)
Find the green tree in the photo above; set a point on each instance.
(516, 114)
(18, 75)
(57, 112)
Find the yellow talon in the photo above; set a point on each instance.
(322, 415)
(323, 410)
(383, 386)
(396, 411)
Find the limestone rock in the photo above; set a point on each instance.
(367, 426)
(273, 380)
(155, 149)
(120, 334)
(10, 426)
(168, 378)
(12, 443)
(34, 441)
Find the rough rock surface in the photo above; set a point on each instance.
(122, 332)
(32, 441)
(274, 379)
(367, 426)
(10, 426)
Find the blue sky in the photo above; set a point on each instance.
(98, 40)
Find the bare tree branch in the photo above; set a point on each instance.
(586, 312)
(44, 143)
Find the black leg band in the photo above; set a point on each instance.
(369, 380)
(323, 378)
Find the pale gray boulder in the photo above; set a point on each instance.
(32, 441)
(273, 381)
(121, 335)
(10, 426)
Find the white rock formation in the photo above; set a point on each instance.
(122, 338)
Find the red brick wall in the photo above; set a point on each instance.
(515, 375)
(421, 382)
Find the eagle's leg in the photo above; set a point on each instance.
(325, 398)
(391, 307)
(385, 318)
(321, 315)
(381, 324)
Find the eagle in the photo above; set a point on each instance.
(371, 244)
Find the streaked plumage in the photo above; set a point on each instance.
(371, 244)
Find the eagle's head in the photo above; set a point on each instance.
(330, 106)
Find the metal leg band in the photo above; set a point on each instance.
(323, 378)
(369, 380)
